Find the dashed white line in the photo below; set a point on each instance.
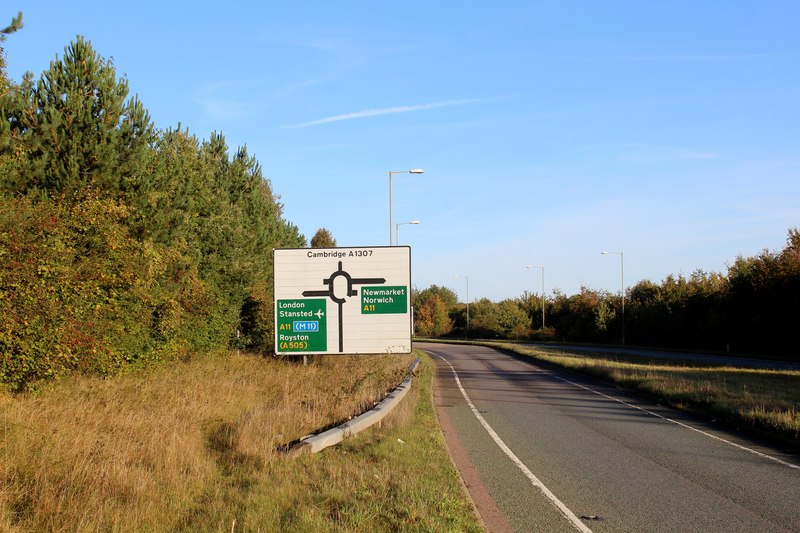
(681, 424)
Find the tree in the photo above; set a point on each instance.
(603, 315)
(16, 24)
(764, 299)
(124, 244)
(505, 319)
(431, 318)
(447, 295)
(323, 239)
(77, 127)
(8, 160)
(532, 303)
(434, 310)
(483, 319)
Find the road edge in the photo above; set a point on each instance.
(483, 503)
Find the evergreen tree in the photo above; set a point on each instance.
(323, 239)
(128, 245)
(16, 24)
(8, 159)
(77, 127)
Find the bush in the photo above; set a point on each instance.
(65, 292)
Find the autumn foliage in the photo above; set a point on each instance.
(121, 244)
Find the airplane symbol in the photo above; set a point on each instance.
(319, 314)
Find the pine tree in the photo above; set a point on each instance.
(323, 239)
(16, 24)
(77, 126)
(8, 158)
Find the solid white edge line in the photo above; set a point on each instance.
(580, 526)
(681, 424)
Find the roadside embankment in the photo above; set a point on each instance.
(195, 446)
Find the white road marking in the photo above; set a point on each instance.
(580, 526)
(681, 424)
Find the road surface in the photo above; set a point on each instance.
(728, 360)
(544, 450)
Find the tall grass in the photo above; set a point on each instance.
(194, 447)
(765, 401)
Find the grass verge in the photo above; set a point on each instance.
(193, 447)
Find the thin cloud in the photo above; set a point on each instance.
(384, 111)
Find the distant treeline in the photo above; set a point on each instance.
(754, 308)
(119, 243)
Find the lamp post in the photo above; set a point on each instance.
(467, 278)
(622, 287)
(533, 266)
(397, 229)
(392, 173)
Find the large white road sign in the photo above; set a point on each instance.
(343, 300)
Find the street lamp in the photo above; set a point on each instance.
(533, 266)
(397, 229)
(392, 173)
(622, 287)
(467, 278)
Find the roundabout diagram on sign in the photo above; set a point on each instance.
(331, 292)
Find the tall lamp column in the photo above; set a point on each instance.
(397, 230)
(392, 173)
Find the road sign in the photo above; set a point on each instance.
(342, 300)
(301, 325)
(384, 300)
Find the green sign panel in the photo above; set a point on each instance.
(384, 300)
(302, 325)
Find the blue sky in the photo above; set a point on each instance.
(548, 131)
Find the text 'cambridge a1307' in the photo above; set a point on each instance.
(339, 254)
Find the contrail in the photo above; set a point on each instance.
(384, 111)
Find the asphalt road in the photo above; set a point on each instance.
(728, 360)
(544, 450)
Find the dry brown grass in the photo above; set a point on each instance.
(162, 449)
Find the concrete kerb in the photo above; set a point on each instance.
(316, 443)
